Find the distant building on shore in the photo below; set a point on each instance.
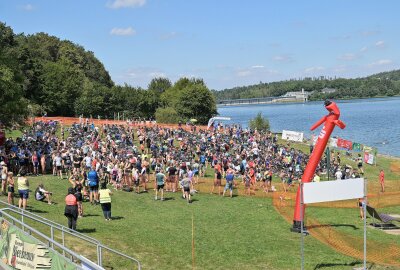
(327, 90)
(300, 95)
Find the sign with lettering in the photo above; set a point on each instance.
(24, 252)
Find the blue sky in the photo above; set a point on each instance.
(226, 42)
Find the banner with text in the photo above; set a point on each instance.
(24, 252)
(292, 136)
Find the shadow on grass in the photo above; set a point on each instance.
(328, 265)
(333, 225)
(91, 215)
(92, 230)
(37, 211)
(117, 218)
(169, 198)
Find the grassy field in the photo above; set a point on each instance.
(238, 233)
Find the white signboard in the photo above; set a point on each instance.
(292, 136)
(338, 190)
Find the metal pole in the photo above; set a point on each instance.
(63, 239)
(52, 236)
(100, 257)
(365, 223)
(301, 226)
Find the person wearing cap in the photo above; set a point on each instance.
(71, 208)
(23, 189)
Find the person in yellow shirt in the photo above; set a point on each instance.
(317, 178)
(23, 189)
(105, 200)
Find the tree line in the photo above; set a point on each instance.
(41, 74)
(381, 84)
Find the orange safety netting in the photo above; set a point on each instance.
(71, 120)
(377, 252)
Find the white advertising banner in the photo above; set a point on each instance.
(292, 136)
(338, 190)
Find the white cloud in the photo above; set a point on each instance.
(28, 7)
(369, 33)
(313, 69)
(348, 57)
(380, 44)
(123, 31)
(364, 49)
(168, 36)
(382, 62)
(157, 74)
(283, 58)
(258, 66)
(116, 4)
(243, 73)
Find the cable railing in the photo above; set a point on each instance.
(54, 227)
(74, 257)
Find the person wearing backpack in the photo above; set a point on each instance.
(93, 183)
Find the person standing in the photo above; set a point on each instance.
(4, 172)
(10, 183)
(23, 189)
(229, 182)
(93, 183)
(105, 200)
(71, 208)
(382, 180)
(160, 181)
(186, 183)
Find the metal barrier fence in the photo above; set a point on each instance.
(54, 227)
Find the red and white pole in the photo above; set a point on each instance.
(330, 121)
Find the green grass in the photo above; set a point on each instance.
(238, 233)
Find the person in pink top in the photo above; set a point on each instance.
(382, 180)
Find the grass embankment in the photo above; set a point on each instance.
(238, 233)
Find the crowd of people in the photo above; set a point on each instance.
(130, 157)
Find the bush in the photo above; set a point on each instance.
(167, 115)
(260, 123)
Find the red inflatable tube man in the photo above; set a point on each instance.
(331, 120)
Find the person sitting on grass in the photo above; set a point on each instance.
(41, 193)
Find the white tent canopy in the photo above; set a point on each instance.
(217, 118)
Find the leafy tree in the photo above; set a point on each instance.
(13, 107)
(167, 115)
(196, 101)
(62, 84)
(260, 123)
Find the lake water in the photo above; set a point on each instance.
(373, 122)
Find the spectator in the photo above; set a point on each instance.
(160, 181)
(10, 182)
(93, 183)
(382, 180)
(71, 208)
(4, 171)
(41, 193)
(23, 189)
(105, 200)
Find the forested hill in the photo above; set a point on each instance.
(41, 74)
(381, 84)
